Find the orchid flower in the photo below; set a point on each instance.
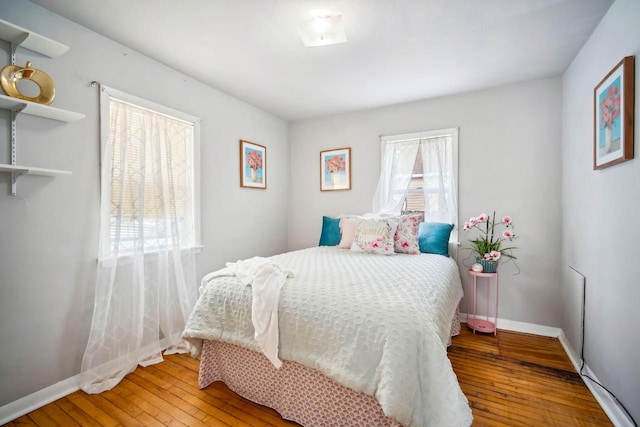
(490, 244)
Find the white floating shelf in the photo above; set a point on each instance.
(22, 37)
(39, 110)
(30, 170)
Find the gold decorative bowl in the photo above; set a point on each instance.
(12, 74)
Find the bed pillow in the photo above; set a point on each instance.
(433, 238)
(406, 238)
(348, 230)
(330, 235)
(375, 236)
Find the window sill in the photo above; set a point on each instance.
(128, 257)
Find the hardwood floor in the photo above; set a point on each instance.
(512, 380)
(521, 380)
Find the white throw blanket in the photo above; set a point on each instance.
(266, 280)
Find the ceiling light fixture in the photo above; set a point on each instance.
(322, 31)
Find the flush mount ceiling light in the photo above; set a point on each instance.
(322, 31)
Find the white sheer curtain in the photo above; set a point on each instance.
(439, 170)
(398, 160)
(145, 285)
(440, 192)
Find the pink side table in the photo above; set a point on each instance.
(482, 323)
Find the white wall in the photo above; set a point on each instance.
(49, 231)
(509, 161)
(601, 238)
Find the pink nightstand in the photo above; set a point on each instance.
(473, 321)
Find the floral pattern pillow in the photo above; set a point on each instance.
(375, 236)
(406, 238)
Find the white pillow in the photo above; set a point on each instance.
(348, 231)
(375, 236)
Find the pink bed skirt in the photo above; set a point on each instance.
(298, 393)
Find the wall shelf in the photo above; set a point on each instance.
(30, 170)
(39, 110)
(21, 37)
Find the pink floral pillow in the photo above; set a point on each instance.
(406, 239)
(375, 236)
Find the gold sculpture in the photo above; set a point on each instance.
(12, 74)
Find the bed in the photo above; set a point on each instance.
(362, 338)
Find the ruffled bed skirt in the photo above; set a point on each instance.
(298, 393)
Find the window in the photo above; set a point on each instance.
(149, 176)
(414, 200)
(419, 173)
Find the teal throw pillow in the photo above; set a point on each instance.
(433, 238)
(330, 235)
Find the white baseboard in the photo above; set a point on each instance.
(36, 400)
(527, 328)
(610, 407)
(568, 348)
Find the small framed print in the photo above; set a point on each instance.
(253, 165)
(335, 169)
(613, 110)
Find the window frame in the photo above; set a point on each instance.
(108, 93)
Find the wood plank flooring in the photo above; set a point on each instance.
(510, 380)
(521, 380)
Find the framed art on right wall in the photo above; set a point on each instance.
(613, 110)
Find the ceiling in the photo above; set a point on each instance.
(397, 50)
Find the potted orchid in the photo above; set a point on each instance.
(489, 246)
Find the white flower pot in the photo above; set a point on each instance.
(335, 179)
(607, 139)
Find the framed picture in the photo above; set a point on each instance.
(613, 106)
(335, 169)
(253, 165)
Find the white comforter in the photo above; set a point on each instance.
(266, 280)
(377, 324)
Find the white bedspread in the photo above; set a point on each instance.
(266, 279)
(377, 324)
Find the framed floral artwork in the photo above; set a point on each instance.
(613, 109)
(253, 165)
(335, 169)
